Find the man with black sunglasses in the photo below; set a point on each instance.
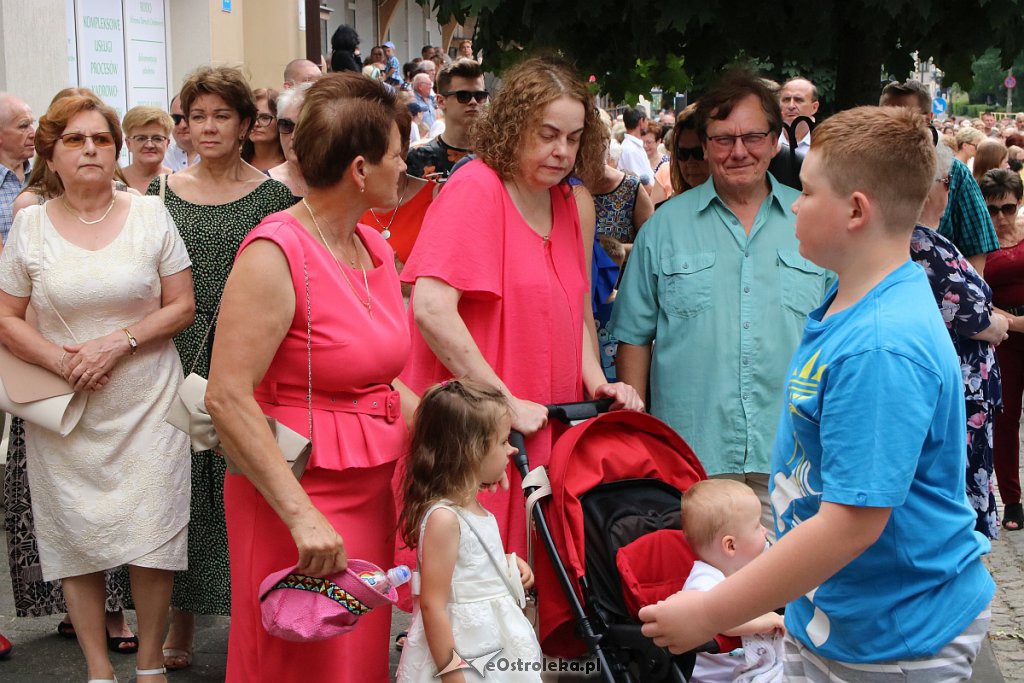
(461, 95)
(180, 153)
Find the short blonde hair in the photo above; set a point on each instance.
(967, 135)
(708, 511)
(885, 152)
(138, 117)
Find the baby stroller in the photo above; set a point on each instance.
(613, 538)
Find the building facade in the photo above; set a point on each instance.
(138, 51)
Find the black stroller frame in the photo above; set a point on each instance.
(602, 621)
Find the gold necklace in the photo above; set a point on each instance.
(366, 283)
(386, 229)
(113, 199)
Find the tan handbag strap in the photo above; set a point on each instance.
(163, 187)
(42, 273)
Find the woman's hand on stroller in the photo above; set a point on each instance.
(525, 573)
(528, 417)
(626, 397)
(679, 622)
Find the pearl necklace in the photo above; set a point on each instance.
(386, 229)
(113, 199)
(368, 304)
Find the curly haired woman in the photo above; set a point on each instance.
(500, 274)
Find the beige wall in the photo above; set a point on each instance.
(33, 50)
(272, 39)
(227, 31)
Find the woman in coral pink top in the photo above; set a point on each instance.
(265, 359)
(500, 269)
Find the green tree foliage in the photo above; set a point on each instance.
(632, 45)
(988, 75)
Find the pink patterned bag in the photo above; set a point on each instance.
(305, 608)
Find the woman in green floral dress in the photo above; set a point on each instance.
(215, 204)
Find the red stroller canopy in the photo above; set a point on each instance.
(612, 447)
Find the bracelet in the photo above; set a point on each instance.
(132, 342)
(60, 364)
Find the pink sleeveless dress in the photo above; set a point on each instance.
(358, 435)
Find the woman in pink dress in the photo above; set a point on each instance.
(358, 342)
(500, 270)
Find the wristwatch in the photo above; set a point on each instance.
(132, 341)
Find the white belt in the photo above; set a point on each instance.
(468, 591)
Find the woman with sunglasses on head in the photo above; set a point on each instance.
(501, 268)
(1004, 272)
(965, 302)
(147, 132)
(289, 104)
(215, 204)
(263, 148)
(110, 283)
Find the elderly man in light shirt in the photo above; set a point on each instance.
(17, 139)
(715, 294)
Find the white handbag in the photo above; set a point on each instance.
(188, 410)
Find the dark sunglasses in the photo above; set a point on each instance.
(687, 153)
(285, 126)
(1008, 210)
(177, 118)
(945, 181)
(464, 96)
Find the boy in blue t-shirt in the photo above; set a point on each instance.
(877, 556)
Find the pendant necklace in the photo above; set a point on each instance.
(74, 213)
(368, 304)
(386, 229)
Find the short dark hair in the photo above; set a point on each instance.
(632, 117)
(225, 82)
(908, 87)
(1000, 181)
(717, 103)
(463, 68)
(427, 48)
(344, 115)
(408, 69)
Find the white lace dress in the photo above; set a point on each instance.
(483, 614)
(116, 489)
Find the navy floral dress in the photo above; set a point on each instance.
(965, 302)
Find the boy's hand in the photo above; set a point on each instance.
(679, 622)
(525, 573)
(778, 623)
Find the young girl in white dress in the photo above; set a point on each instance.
(469, 614)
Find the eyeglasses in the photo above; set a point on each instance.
(177, 118)
(1008, 210)
(77, 140)
(464, 96)
(750, 140)
(264, 120)
(285, 126)
(143, 139)
(687, 153)
(944, 181)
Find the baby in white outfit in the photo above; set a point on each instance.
(722, 524)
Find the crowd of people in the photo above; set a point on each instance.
(403, 266)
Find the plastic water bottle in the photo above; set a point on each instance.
(383, 581)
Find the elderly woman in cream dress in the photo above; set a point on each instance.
(109, 280)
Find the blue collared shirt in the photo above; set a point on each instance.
(10, 187)
(725, 311)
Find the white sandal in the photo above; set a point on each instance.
(150, 672)
(102, 680)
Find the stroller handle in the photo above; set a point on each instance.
(563, 412)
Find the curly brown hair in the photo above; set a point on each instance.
(55, 120)
(499, 137)
(455, 424)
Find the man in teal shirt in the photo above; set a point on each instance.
(713, 300)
